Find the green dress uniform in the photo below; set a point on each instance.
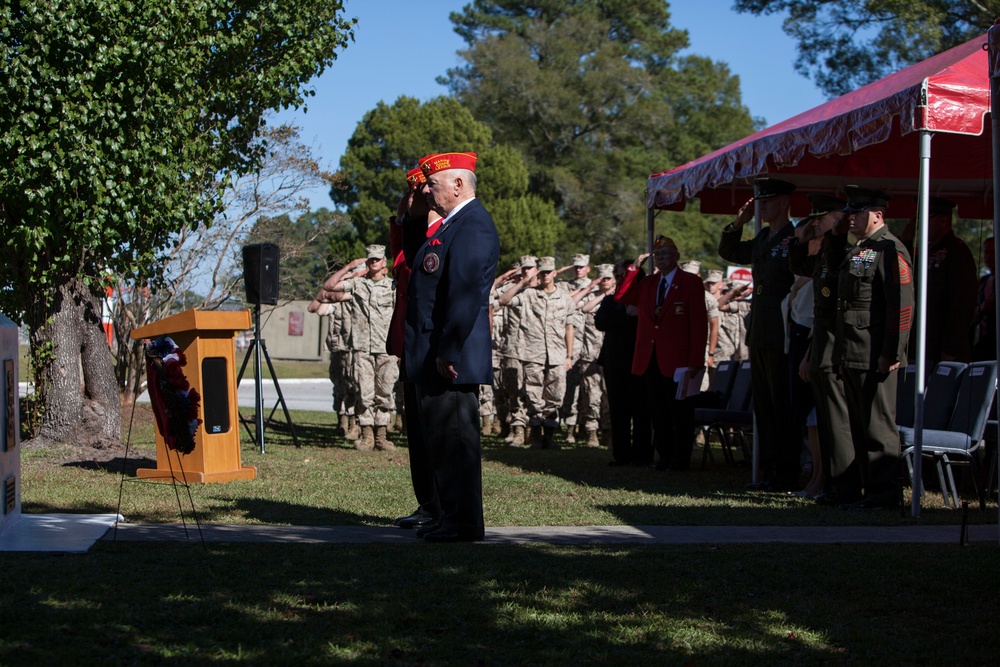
(780, 443)
(832, 419)
(875, 307)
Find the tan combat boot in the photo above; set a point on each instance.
(352, 428)
(366, 442)
(400, 422)
(592, 440)
(570, 435)
(517, 436)
(342, 424)
(392, 425)
(380, 440)
(498, 426)
(487, 426)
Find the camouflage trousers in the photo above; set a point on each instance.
(512, 390)
(572, 395)
(487, 405)
(593, 403)
(344, 387)
(544, 388)
(376, 375)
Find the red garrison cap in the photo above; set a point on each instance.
(442, 161)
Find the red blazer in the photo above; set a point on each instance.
(679, 335)
(401, 274)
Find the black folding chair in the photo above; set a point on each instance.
(715, 397)
(730, 421)
(960, 442)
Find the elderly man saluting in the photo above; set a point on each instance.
(447, 337)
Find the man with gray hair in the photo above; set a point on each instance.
(448, 351)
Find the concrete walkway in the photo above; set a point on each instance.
(76, 533)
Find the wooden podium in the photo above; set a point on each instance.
(207, 339)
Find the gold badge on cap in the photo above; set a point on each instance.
(431, 262)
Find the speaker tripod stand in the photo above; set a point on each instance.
(258, 349)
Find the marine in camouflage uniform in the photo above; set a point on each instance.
(574, 376)
(373, 296)
(513, 355)
(733, 311)
(875, 307)
(487, 394)
(780, 443)
(338, 342)
(594, 409)
(547, 342)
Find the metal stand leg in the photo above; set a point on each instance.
(258, 350)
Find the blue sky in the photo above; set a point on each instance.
(400, 48)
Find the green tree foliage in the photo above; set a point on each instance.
(844, 44)
(117, 119)
(596, 96)
(391, 138)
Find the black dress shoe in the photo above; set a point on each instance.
(415, 520)
(427, 528)
(872, 503)
(446, 536)
(834, 498)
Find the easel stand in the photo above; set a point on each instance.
(258, 350)
(176, 481)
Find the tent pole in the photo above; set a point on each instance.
(649, 239)
(994, 68)
(923, 208)
(755, 457)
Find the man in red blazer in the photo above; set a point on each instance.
(672, 333)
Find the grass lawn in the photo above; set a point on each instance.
(267, 604)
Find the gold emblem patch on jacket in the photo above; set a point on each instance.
(431, 262)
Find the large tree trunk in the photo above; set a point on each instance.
(74, 370)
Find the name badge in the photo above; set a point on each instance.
(431, 262)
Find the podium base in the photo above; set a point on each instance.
(197, 476)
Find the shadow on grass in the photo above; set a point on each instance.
(116, 465)
(713, 496)
(279, 512)
(462, 604)
(588, 466)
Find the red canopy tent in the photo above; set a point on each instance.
(868, 137)
(878, 136)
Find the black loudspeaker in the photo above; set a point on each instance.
(215, 395)
(260, 273)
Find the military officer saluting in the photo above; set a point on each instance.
(875, 306)
(780, 442)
